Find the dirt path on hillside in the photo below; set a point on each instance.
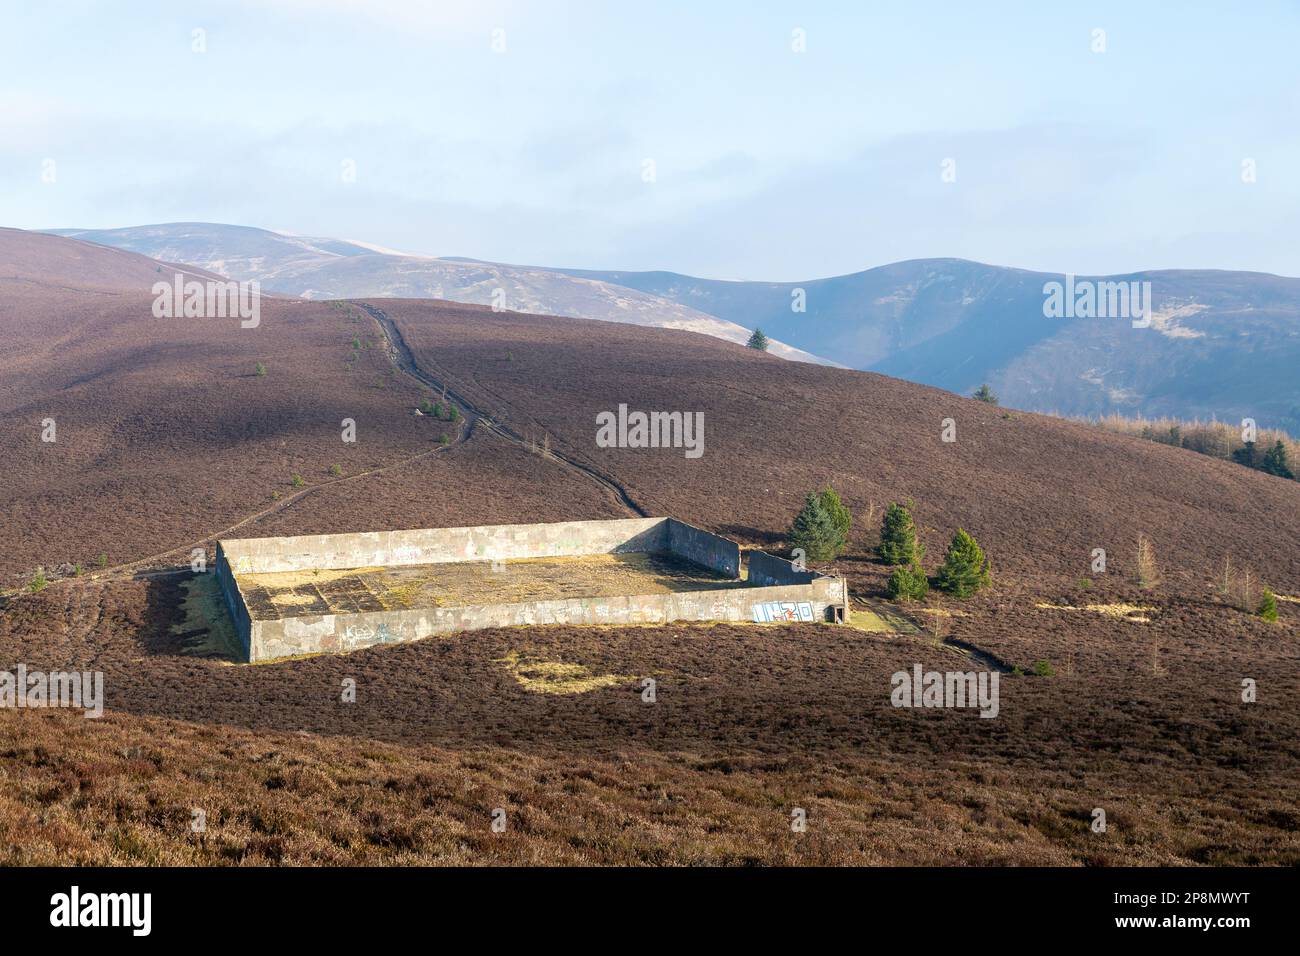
(404, 359)
(400, 354)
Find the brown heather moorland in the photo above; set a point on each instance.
(167, 436)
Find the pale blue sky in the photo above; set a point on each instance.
(770, 164)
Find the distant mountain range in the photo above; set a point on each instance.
(1222, 345)
(314, 268)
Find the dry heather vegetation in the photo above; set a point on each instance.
(1216, 439)
(167, 436)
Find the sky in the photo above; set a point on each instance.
(733, 140)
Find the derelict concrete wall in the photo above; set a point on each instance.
(439, 545)
(234, 602)
(704, 548)
(767, 569)
(271, 639)
(348, 632)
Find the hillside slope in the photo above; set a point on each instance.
(37, 260)
(165, 435)
(1042, 491)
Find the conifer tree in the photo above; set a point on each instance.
(1275, 462)
(908, 584)
(815, 531)
(1268, 606)
(898, 544)
(965, 569)
(838, 511)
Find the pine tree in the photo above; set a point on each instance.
(1245, 455)
(1268, 606)
(758, 341)
(965, 569)
(815, 531)
(838, 511)
(898, 544)
(1275, 462)
(985, 394)
(908, 584)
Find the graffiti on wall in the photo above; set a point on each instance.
(782, 612)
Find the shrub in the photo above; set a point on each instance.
(1044, 669)
(39, 581)
(102, 560)
(985, 394)
(443, 439)
(965, 569)
(297, 481)
(898, 544)
(336, 470)
(1268, 606)
(757, 341)
(260, 370)
(908, 584)
(815, 531)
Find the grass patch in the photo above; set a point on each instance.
(400, 596)
(558, 677)
(1124, 612)
(870, 621)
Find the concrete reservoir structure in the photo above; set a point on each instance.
(340, 592)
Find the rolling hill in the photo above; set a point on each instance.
(311, 268)
(1113, 694)
(1222, 345)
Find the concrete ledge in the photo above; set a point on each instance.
(439, 545)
